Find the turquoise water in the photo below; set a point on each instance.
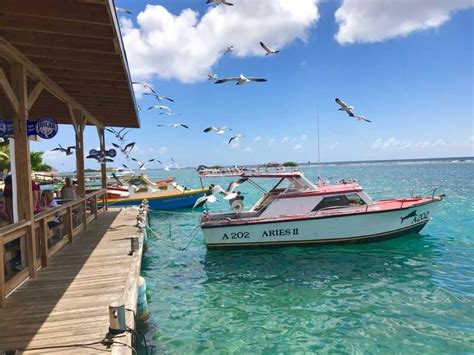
(407, 295)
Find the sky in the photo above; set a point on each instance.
(407, 65)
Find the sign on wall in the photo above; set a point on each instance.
(45, 127)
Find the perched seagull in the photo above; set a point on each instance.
(67, 150)
(121, 9)
(345, 107)
(173, 125)
(159, 97)
(218, 130)
(228, 50)
(141, 165)
(160, 107)
(240, 80)
(211, 197)
(219, 2)
(362, 118)
(125, 150)
(211, 76)
(268, 50)
(235, 137)
(144, 85)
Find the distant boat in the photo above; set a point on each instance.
(297, 212)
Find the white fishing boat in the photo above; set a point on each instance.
(298, 212)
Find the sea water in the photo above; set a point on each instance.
(413, 294)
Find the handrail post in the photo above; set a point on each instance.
(2, 273)
(84, 212)
(44, 242)
(70, 225)
(95, 206)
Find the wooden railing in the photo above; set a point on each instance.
(52, 230)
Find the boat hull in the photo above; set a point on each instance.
(169, 202)
(349, 228)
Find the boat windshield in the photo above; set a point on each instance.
(298, 184)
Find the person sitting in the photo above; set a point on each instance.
(48, 202)
(68, 192)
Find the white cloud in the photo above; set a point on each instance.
(248, 149)
(377, 20)
(297, 147)
(163, 150)
(271, 140)
(285, 139)
(303, 137)
(257, 138)
(235, 145)
(334, 145)
(186, 46)
(401, 144)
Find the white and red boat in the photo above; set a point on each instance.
(297, 212)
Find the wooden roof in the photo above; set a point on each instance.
(77, 44)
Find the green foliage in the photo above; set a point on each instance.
(37, 163)
(290, 163)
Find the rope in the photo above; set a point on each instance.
(195, 231)
(193, 234)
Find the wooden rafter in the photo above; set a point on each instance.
(33, 96)
(8, 90)
(48, 84)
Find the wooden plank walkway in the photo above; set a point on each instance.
(67, 303)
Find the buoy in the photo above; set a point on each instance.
(142, 304)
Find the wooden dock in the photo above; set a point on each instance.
(66, 306)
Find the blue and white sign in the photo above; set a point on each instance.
(45, 127)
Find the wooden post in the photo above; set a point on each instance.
(2, 273)
(79, 122)
(103, 167)
(70, 225)
(44, 242)
(22, 159)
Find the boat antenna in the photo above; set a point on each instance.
(320, 178)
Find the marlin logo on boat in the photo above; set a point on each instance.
(415, 217)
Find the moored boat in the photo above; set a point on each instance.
(164, 194)
(297, 212)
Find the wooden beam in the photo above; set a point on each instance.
(7, 89)
(33, 96)
(103, 167)
(76, 74)
(56, 9)
(45, 25)
(79, 120)
(49, 84)
(51, 40)
(78, 65)
(22, 161)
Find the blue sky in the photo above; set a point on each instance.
(415, 84)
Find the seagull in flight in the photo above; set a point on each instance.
(228, 50)
(229, 193)
(235, 137)
(166, 167)
(67, 150)
(118, 134)
(125, 150)
(218, 130)
(345, 107)
(268, 50)
(142, 164)
(240, 80)
(362, 118)
(211, 197)
(144, 85)
(173, 125)
(121, 9)
(159, 97)
(219, 2)
(211, 76)
(160, 107)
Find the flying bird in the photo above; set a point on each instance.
(268, 50)
(121, 9)
(219, 2)
(166, 167)
(144, 85)
(345, 107)
(125, 150)
(67, 150)
(229, 193)
(174, 163)
(142, 164)
(211, 76)
(228, 50)
(118, 134)
(240, 80)
(218, 130)
(211, 197)
(159, 97)
(235, 137)
(173, 125)
(362, 118)
(160, 107)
